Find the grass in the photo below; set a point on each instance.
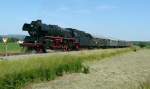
(17, 73)
(101, 54)
(11, 48)
(145, 84)
(148, 46)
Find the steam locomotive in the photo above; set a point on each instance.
(42, 37)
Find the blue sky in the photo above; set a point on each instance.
(120, 19)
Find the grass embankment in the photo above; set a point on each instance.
(12, 48)
(15, 74)
(145, 84)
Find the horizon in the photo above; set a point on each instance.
(124, 20)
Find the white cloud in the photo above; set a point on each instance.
(82, 11)
(73, 10)
(62, 9)
(105, 7)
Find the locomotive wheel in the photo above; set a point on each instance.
(44, 50)
(34, 51)
(66, 48)
(77, 47)
(40, 50)
(29, 50)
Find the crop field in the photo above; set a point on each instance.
(16, 74)
(11, 48)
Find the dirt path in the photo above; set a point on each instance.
(120, 72)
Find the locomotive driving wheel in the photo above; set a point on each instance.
(77, 46)
(65, 47)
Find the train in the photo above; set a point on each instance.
(43, 37)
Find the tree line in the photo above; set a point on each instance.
(142, 44)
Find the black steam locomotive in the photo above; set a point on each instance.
(42, 37)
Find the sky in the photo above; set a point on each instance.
(118, 19)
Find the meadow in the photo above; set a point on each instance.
(12, 48)
(16, 74)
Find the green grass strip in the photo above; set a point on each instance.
(11, 48)
(16, 74)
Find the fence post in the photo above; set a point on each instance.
(5, 42)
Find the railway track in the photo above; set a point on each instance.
(49, 52)
(12, 56)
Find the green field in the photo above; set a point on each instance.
(17, 73)
(11, 48)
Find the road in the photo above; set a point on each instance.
(120, 72)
